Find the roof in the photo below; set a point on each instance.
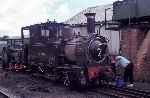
(14, 37)
(100, 14)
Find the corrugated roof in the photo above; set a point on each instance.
(100, 14)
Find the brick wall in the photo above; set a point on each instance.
(132, 40)
(143, 60)
(129, 43)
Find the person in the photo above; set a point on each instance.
(128, 66)
(113, 62)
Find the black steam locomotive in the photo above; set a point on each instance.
(54, 51)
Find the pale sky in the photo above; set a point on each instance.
(17, 13)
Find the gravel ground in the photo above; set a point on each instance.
(20, 85)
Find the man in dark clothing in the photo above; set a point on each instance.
(128, 66)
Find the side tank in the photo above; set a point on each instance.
(75, 49)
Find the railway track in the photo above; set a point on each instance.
(114, 92)
(3, 96)
(136, 92)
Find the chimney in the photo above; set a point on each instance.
(90, 22)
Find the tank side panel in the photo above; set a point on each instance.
(143, 7)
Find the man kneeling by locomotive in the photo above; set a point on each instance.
(128, 69)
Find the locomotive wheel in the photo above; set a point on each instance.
(82, 82)
(5, 61)
(68, 83)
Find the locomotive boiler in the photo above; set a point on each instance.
(54, 51)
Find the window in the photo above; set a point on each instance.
(45, 33)
(26, 33)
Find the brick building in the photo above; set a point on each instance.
(134, 19)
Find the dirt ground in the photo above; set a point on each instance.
(20, 85)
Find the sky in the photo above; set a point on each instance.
(15, 14)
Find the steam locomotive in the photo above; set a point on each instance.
(54, 51)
